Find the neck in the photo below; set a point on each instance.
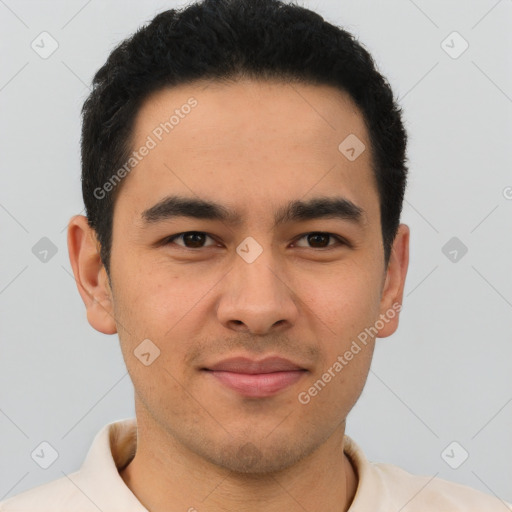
(165, 476)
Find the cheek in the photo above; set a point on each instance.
(161, 295)
(334, 388)
(345, 299)
(166, 308)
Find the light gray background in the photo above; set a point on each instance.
(445, 375)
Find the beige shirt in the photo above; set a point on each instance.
(97, 486)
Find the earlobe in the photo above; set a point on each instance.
(90, 275)
(393, 289)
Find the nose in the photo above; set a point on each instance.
(256, 297)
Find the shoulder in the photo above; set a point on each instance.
(96, 486)
(421, 493)
(384, 487)
(59, 494)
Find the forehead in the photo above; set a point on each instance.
(259, 110)
(249, 144)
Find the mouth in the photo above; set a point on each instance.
(256, 379)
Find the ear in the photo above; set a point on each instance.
(90, 275)
(393, 288)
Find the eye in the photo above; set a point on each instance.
(191, 239)
(196, 240)
(320, 240)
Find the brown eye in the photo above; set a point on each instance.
(191, 239)
(319, 240)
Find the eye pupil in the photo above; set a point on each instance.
(195, 237)
(314, 237)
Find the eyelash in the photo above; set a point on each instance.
(170, 239)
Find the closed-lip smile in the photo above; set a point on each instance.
(256, 378)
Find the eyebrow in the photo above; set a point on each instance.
(295, 211)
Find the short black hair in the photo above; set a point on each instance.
(223, 40)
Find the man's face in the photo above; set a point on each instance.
(252, 147)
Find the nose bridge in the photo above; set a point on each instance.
(256, 268)
(259, 277)
(255, 293)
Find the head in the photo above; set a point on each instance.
(232, 119)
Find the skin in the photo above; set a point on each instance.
(251, 146)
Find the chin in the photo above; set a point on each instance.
(249, 458)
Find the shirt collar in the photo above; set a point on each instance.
(99, 478)
(114, 447)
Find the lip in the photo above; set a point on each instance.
(251, 366)
(256, 379)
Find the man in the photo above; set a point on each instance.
(243, 167)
